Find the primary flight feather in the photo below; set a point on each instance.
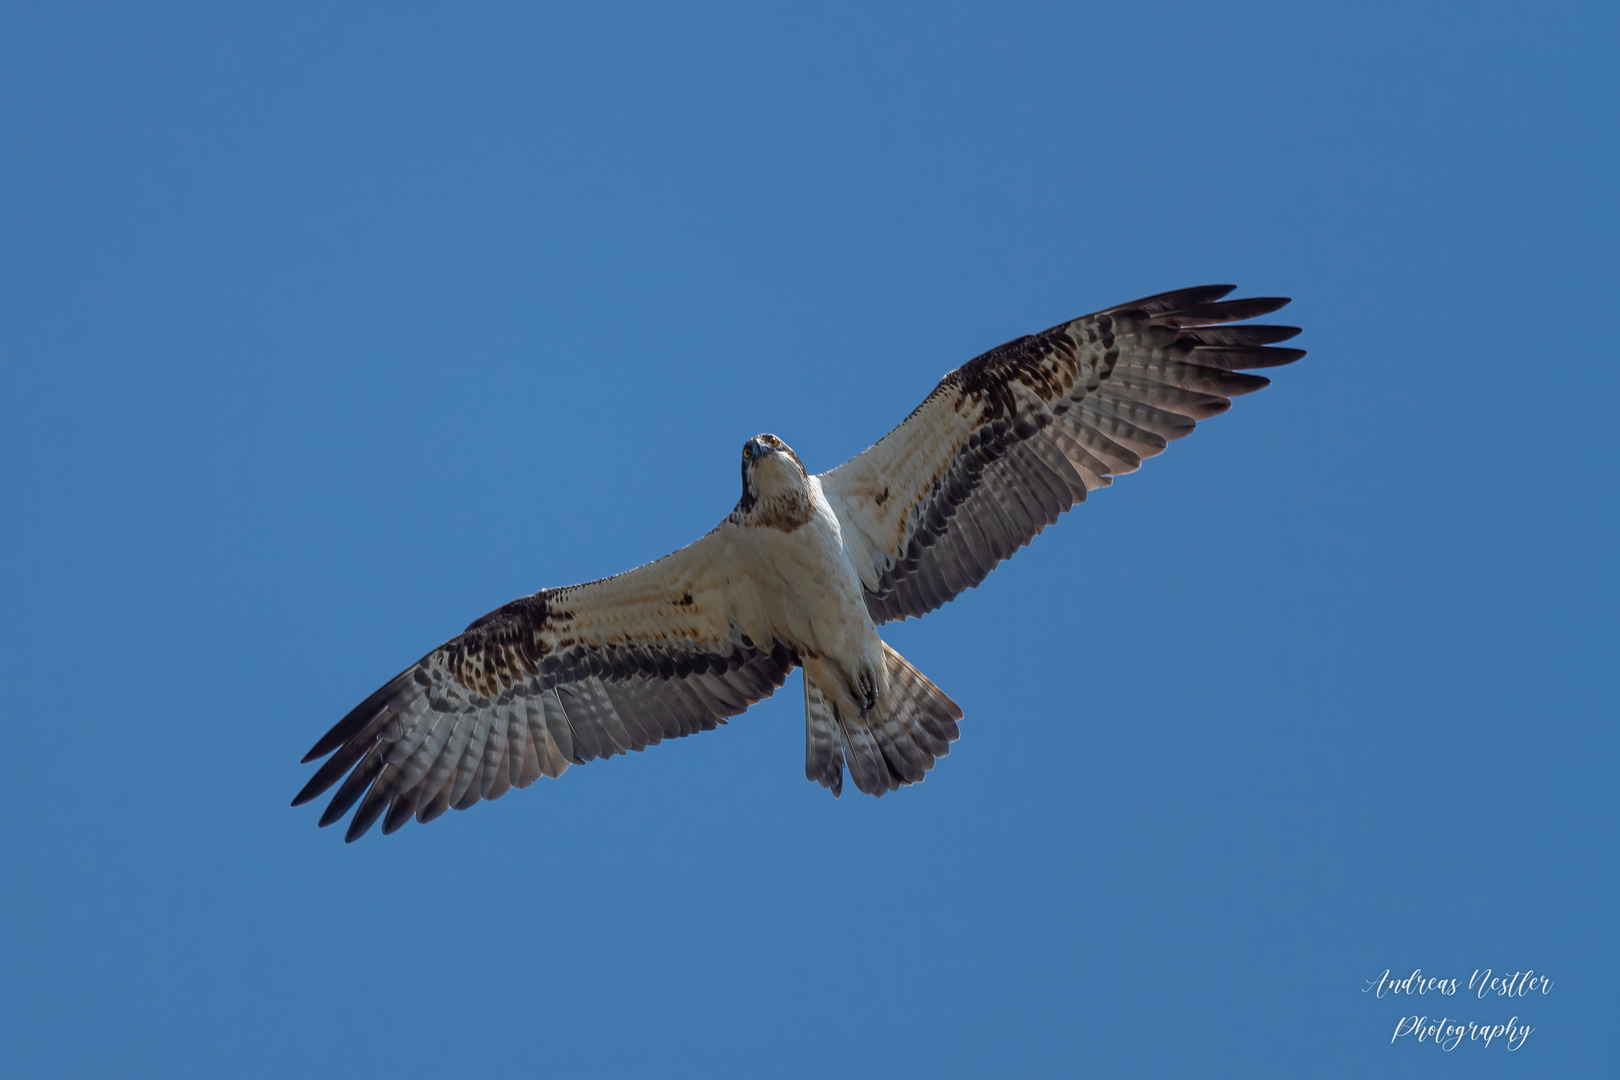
(801, 574)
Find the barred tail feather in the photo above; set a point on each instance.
(894, 744)
(823, 743)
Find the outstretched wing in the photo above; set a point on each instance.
(561, 677)
(1009, 441)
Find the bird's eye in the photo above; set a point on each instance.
(748, 452)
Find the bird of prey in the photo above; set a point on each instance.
(801, 575)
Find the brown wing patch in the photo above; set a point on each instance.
(1044, 363)
(459, 726)
(1032, 426)
(504, 647)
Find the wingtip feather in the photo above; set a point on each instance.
(1177, 299)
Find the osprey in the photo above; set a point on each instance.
(801, 575)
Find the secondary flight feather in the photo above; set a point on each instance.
(800, 575)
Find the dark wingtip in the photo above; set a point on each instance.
(1241, 334)
(1278, 357)
(364, 818)
(1225, 311)
(1177, 299)
(359, 716)
(1242, 358)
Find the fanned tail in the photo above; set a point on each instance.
(895, 743)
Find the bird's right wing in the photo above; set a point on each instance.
(563, 676)
(1010, 440)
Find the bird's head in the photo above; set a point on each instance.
(770, 468)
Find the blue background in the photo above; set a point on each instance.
(326, 329)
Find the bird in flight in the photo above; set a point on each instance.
(801, 575)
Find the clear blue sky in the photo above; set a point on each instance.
(327, 328)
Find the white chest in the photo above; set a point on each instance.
(806, 588)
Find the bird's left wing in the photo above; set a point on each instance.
(1012, 439)
(558, 678)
